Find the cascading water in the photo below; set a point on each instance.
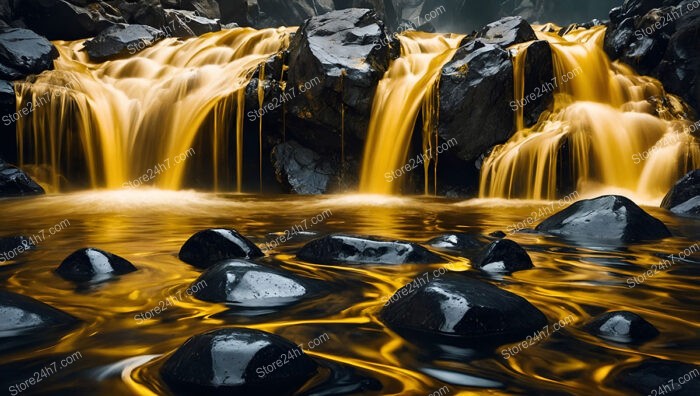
(132, 114)
(399, 97)
(603, 130)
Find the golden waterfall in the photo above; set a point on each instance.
(406, 86)
(128, 117)
(620, 131)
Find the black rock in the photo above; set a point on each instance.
(623, 327)
(478, 81)
(248, 284)
(14, 182)
(539, 74)
(238, 361)
(686, 188)
(689, 208)
(610, 218)
(93, 264)
(337, 59)
(507, 31)
(458, 242)
(275, 13)
(463, 310)
(121, 40)
(192, 22)
(23, 316)
(63, 20)
(660, 377)
(207, 247)
(301, 169)
(351, 249)
(503, 256)
(498, 234)
(23, 52)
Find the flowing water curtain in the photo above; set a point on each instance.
(603, 117)
(134, 115)
(399, 97)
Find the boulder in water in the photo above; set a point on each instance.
(23, 52)
(659, 377)
(351, 249)
(458, 242)
(208, 247)
(14, 182)
(686, 188)
(606, 219)
(462, 310)
(301, 169)
(238, 361)
(689, 208)
(623, 327)
(121, 40)
(507, 31)
(248, 284)
(93, 264)
(503, 256)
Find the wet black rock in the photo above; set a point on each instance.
(23, 52)
(300, 169)
(462, 310)
(206, 8)
(623, 327)
(248, 284)
(606, 219)
(11, 247)
(507, 31)
(351, 249)
(207, 247)
(22, 315)
(652, 377)
(458, 242)
(503, 256)
(478, 81)
(192, 23)
(538, 94)
(335, 63)
(64, 20)
(14, 182)
(689, 208)
(122, 40)
(238, 361)
(686, 188)
(93, 264)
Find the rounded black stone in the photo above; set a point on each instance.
(622, 326)
(502, 256)
(208, 247)
(238, 361)
(458, 242)
(93, 264)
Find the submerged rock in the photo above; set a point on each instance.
(351, 249)
(208, 247)
(610, 218)
(507, 31)
(622, 326)
(458, 242)
(503, 256)
(23, 316)
(686, 188)
(462, 310)
(23, 52)
(248, 284)
(93, 264)
(301, 169)
(660, 377)
(335, 63)
(14, 182)
(238, 361)
(121, 40)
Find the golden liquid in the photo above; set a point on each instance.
(603, 115)
(398, 99)
(126, 116)
(148, 227)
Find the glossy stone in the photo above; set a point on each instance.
(683, 190)
(458, 242)
(22, 315)
(502, 256)
(622, 326)
(207, 247)
(650, 376)
(93, 264)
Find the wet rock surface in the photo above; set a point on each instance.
(507, 31)
(459, 242)
(122, 40)
(503, 256)
(207, 247)
(623, 327)
(248, 284)
(352, 249)
(23, 52)
(686, 188)
(93, 264)
(606, 219)
(14, 182)
(232, 360)
(300, 169)
(463, 310)
(650, 376)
